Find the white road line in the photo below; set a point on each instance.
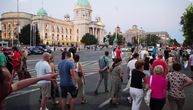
(24, 92)
(104, 103)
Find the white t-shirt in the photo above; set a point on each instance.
(42, 68)
(191, 60)
(142, 53)
(131, 65)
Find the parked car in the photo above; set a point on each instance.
(35, 50)
(45, 48)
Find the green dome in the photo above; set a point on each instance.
(67, 15)
(42, 12)
(83, 3)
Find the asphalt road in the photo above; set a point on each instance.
(27, 99)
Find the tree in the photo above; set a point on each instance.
(173, 42)
(152, 40)
(24, 36)
(120, 39)
(89, 39)
(111, 39)
(187, 25)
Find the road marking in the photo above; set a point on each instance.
(104, 103)
(22, 93)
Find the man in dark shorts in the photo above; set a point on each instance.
(68, 81)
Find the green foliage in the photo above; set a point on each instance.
(120, 39)
(24, 36)
(151, 40)
(187, 25)
(173, 42)
(111, 39)
(89, 39)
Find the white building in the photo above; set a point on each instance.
(52, 30)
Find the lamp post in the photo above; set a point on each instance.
(18, 22)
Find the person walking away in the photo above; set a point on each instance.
(114, 54)
(177, 81)
(68, 81)
(81, 79)
(136, 88)
(54, 85)
(43, 68)
(130, 68)
(16, 61)
(73, 50)
(6, 86)
(185, 58)
(158, 86)
(162, 62)
(191, 63)
(116, 80)
(118, 52)
(154, 51)
(147, 65)
(104, 63)
(171, 59)
(166, 53)
(3, 60)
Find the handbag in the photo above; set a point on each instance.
(148, 93)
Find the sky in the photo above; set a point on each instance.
(150, 15)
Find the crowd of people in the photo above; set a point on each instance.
(161, 66)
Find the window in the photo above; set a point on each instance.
(46, 35)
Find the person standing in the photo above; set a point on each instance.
(118, 52)
(73, 50)
(161, 62)
(158, 86)
(116, 79)
(191, 63)
(113, 54)
(104, 63)
(16, 61)
(177, 81)
(68, 81)
(54, 85)
(81, 78)
(3, 60)
(136, 88)
(43, 68)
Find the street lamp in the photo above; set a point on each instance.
(18, 22)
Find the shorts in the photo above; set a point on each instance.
(45, 89)
(191, 67)
(69, 89)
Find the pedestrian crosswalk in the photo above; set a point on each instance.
(88, 67)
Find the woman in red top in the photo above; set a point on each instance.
(6, 87)
(16, 60)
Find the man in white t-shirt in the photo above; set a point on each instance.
(43, 68)
(142, 53)
(191, 62)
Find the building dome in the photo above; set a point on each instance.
(42, 12)
(66, 16)
(82, 4)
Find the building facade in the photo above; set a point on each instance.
(55, 31)
(137, 33)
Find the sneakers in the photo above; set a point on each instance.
(129, 100)
(42, 109)
(84, 101)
